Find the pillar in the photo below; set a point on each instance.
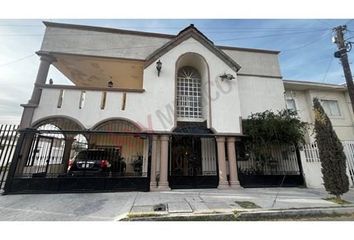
(45, 62)
(163, 182)
(223, 184)
(66, 154)
(153, 163)
(231, 153)
(24, 149)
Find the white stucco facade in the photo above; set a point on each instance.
(225, 102)
(228, 86)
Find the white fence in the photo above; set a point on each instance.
(278, 160)
(311, 164)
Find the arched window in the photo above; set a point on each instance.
(189, 99)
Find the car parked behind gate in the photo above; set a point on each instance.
(97, 162)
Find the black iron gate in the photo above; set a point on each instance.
(186, 168)
(46, 161)
(275, 166)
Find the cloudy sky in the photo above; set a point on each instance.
(305, 45)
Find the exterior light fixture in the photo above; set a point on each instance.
(227, 77)
(110, 84)
(158, 67)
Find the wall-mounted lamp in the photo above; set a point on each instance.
(110, 84)
(158, 67)
(227, 77)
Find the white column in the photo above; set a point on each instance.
(231, 153)
(163, 182)
(28, 111)
(223, 183)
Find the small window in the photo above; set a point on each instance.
(60, 99)
(82, 99)
(331, 107)
(103, 100)
(290, 104)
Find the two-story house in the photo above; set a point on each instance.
(169, 106)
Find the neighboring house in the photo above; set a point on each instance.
(174, 102)
(334, 98)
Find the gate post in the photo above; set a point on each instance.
(223, 184)
(153, 163)
(163, 183)
(231, 153)
(66, 153)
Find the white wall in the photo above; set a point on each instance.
(154, 108)
(225, 104)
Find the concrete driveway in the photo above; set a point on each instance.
(114, 206)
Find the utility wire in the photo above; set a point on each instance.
(307, 44)
(17, 60)
(327, 70)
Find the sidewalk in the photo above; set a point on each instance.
(116, 206)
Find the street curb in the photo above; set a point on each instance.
(289, 213)
(251, 215)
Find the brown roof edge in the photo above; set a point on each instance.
(249, 49)
(106, 29)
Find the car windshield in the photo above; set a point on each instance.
(92, 155)
(97, 155)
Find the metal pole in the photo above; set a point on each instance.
(341, 44)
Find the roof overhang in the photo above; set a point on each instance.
(306, 85)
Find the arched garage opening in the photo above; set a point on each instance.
(122, 138)
(48, 147)
(62, 156)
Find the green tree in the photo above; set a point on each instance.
(333, 160)
(270, 130)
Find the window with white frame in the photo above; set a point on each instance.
(189, 99)
(331, 107)
(290, 104)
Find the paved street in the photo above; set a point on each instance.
(114, 206)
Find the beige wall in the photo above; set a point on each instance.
(256, 63)
(258, 94)
(343, 124)
(98, 71)
(99, 43)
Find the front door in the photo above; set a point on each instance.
(185, 165)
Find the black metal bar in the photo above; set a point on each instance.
(4, 153)
(7, 156)
(14, 163)
(49, 155)
(142, 133)
(4, 138)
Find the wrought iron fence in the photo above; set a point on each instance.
(83, 159)
(8, 140)
(274, 160)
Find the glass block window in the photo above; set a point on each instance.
(189, 99)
